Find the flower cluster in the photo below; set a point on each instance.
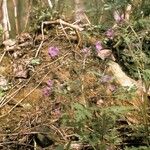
(48, 89)
(53, 52)
(119, 18)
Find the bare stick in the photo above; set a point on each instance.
(61, 22)
(37, 52)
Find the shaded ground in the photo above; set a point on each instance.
(31, 114)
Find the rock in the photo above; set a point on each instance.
(121, 78)
(43, 138)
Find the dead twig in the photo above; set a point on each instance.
(61, 22)
(78, 37)
(37, 52)
(59, 131)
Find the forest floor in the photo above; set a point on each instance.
(40, 91)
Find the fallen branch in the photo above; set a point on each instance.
(61, 22)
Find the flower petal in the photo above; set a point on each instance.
(110, 33)
(53, 51)
(98, 46)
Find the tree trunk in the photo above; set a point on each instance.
(5, 20)
(1, 13)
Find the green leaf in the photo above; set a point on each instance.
(1, 93)
(107, 7)
(118, 109)
(146, 74)
(81, 112)
(35, 61)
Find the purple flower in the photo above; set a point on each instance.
(106, 79)
(50, 83)
(46, 91)
(53, 51)
(118, 18)
(110, 33)
(98, 46)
